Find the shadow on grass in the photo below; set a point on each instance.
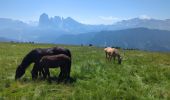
(51, 80)
(55, 79)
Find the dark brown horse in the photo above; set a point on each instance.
(34, 56)
(61, 60)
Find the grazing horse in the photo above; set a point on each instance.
(61, 60)
(112, 53)
(34, 56)
(108, 52)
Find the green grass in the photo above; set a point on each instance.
(142, 75)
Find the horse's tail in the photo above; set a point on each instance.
(69, 67)
(70, 62)
(69, 53)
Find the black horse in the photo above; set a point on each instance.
(54, 61)
(34, 56)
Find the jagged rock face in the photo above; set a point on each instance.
(60, 23)
(53, 22)
(70, 25)
(56, 21)
(44, 20)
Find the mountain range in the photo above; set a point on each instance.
(146, 34)
(138, 38)
(70, 25)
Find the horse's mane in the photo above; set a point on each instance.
(69, 53)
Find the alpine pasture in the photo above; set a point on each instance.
(142, 75)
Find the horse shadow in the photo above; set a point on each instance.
(55, 79)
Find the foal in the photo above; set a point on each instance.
(54, 61)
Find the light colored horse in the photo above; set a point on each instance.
(108, 52)
(112, 53)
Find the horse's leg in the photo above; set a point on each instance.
(43, 72)
(34, 72)
(106, 54)
(110, 57)
(40, 70)
(68, 71)
(39, 73)
(60, 77)
(47, 73)
(65, 72)
(114, 58)
(119, 59)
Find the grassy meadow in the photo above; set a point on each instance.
(141, 76)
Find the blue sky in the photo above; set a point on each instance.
(85, 11)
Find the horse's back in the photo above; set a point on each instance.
(55, 60)
(59, 57)
(60, 50)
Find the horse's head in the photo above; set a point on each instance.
(119, 60)
(19, 72)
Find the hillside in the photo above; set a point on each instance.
(142, 75)
(140, 38)
(4, 39)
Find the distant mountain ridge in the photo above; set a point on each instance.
(70, 25)
(2, 39)
(138, 38)
(6, 23)
(147, 23)
(67, 24)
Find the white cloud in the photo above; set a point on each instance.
(109, 19)
(144, 17)
(106, 20)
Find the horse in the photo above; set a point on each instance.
(108, 52)
(54, 61)
(34, 56)
(112, 53)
